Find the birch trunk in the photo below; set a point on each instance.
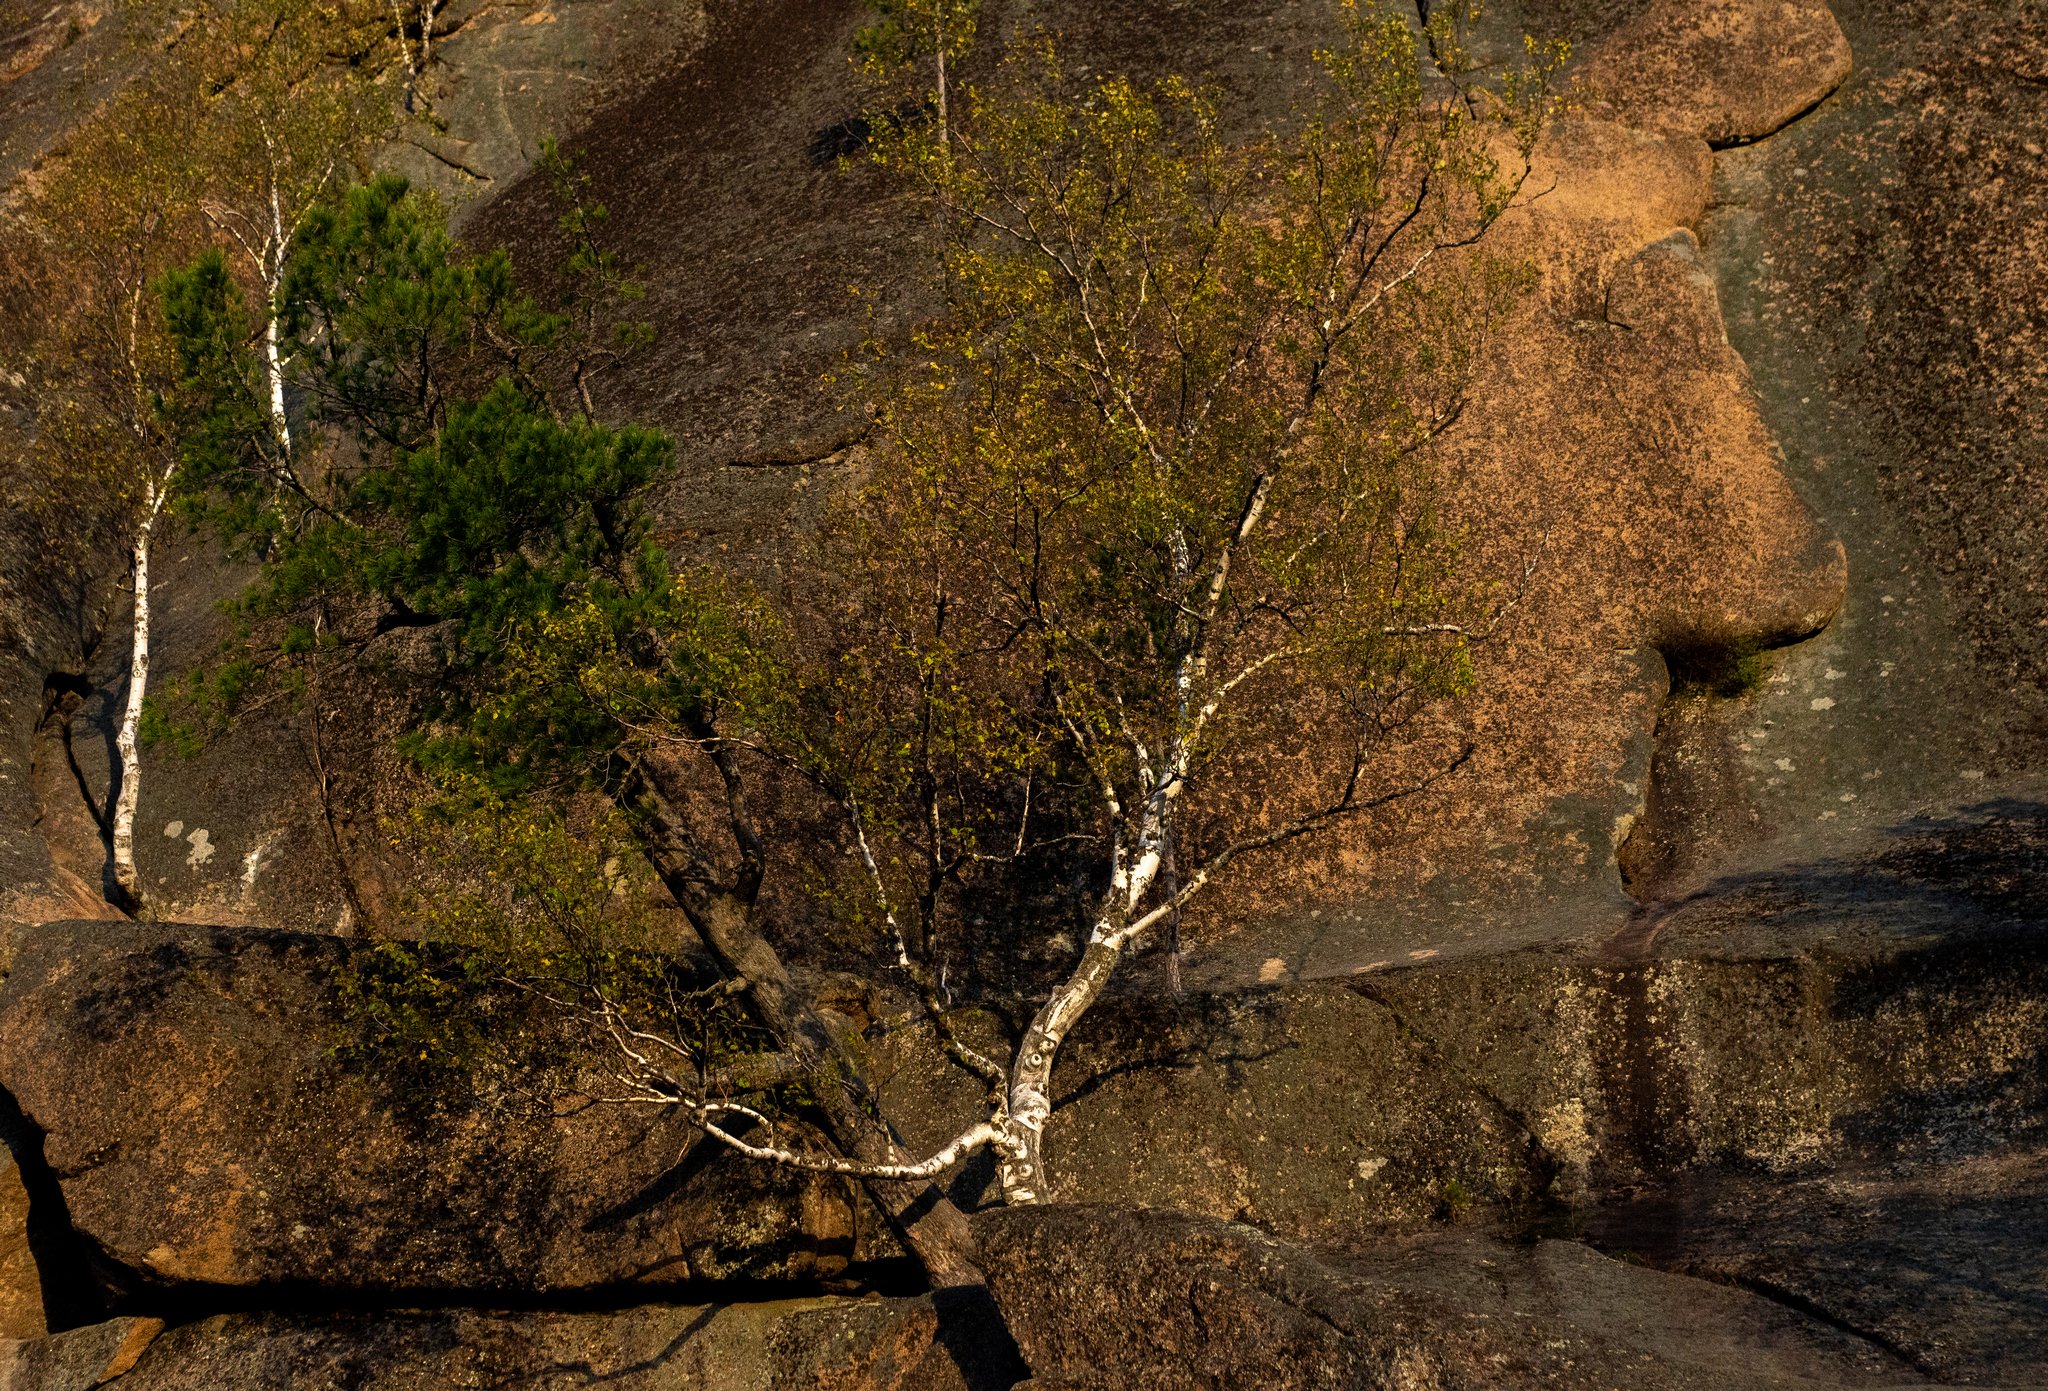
(1022, 1169)
(273, 332)
(126, 740)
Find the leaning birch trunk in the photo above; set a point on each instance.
(126, 741)
(1021, 1170)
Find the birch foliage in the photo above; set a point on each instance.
(1144, 570)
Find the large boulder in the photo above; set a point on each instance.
(1728, 71)
(1862, 1010)
(195, 1112)
(817, 1344)
(1099, 1298)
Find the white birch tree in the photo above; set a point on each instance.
(233, 131)
(284, 124)
(1148, 576)
(1152, 523)
(412, 28)
(115, 208)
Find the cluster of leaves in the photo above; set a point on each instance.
(458, 485)
(1145, 317)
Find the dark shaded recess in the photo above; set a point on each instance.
(972, 1331)
(1694, 785)
(1646, 1095)
(726, 188)
(59, 684)
(187, 1301)
(79, 1285)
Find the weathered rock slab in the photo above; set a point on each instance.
(1728, 71)
(816, 1344)
(78, 1360)
(1838, 1012)
(1100, 1298)
(204, 1131)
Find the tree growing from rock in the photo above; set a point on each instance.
(114, 213)
(243, 114)
(1145, 575)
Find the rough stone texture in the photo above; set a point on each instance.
(815, 1344)
(1880, 265)
(79, 1360)
(56, 62)
(1174, 1302)
(21, 1288)
(505, 75)
(1939, 1262)
(1728, 71)
(194, 1112)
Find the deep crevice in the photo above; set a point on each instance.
(188, 1301)
(1820, 1313)
(1738, 142)
(73, 1278)
(1663, 846)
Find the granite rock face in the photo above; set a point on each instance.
(1728, 71)
(783, 1345)
(1101, 1299)
(186, 1089)
(1743, 989)
(1613, 455)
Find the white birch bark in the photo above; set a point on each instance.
(1022, 1168)
(126, 739)
(273, 361)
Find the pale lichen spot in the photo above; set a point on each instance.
(1822, 703)
(1273, 968)
(173, 829)
(1564, 1130)
(202, 848)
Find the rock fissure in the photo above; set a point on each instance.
(1821, 1314)
(70, 1266)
